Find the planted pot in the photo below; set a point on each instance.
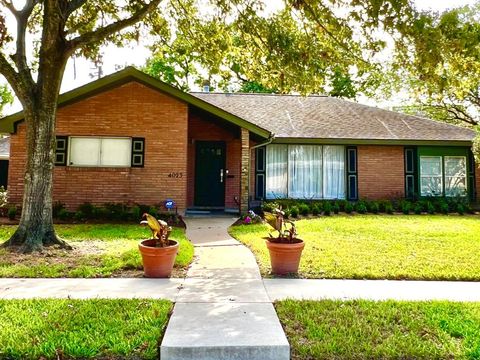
(285, 256)
(158, 261)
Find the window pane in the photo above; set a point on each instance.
(333, 172)
(455, 176)
(84, 151)
(431, 165)
(116, 152)
(277, 156)
(431, 185)
(305, 172)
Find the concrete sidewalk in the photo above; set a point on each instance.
(223, 310)
(231, 289)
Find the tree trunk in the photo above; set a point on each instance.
(36, 224)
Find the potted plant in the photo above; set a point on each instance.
(286, 248)
(158, 253)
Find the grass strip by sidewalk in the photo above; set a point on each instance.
(421, 247)
(381, 330)
(82, 329)
(100, 250)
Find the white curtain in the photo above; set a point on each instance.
(304, 172)
(333, 172)
(277, 171)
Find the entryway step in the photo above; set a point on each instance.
(224, 331)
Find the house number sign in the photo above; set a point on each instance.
(175, 175)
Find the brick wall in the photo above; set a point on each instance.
(202, 128)
(381, 172)
(131, 110)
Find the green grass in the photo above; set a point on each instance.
(381, 330)
(433, 247)
(99, 251)
(57, 329)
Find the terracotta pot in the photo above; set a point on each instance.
(285, 258)
(158, 262)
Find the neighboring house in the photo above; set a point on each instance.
(129, 138)
(4, 157)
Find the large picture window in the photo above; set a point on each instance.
(100, 151)
(305, 172)
(443, 175)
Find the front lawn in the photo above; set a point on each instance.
(431, 247)
(381, 330)
(82, 329)
(99, 251)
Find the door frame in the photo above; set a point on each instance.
(222, 144)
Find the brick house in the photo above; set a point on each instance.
(130, 138)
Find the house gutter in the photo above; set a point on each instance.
(269, 141)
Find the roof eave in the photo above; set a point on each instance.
(345, 141)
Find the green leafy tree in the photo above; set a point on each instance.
(437, 63)
(60, 29)
(6, 97)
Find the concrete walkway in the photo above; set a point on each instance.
(223, 310)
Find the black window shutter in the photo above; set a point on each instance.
(352, 173)
(260, 169)
(471, 176)
(61, 150)
(410, 172)
(138, 152)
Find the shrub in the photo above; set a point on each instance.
(383, 204)
(460, 209)
(88, 210)
(406, 206)
(136, 212)
(444, 208)
(374, 207)
(336, 207)
(57, 208)
(418, 208)
(430, 208)
(341, 204)
(348, 208)
(287, 213)
(270, 206)
(327, 209)
(389, 209)
(12, 212)
(315, 210)
(79, 215)
(63, 214)
(361, 208)
(304, 209)
(294, 211)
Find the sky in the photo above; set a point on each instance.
(78, 70)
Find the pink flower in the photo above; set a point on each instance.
(247, 220)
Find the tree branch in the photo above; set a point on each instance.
(74, 5)
(12, 76)
(103, 32)
(9, 6)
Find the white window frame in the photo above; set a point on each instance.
(442, 185)
(98, 165)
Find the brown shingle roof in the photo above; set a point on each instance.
(323, 117)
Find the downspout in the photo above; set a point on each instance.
(269, 141)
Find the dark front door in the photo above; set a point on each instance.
(3, 173)
(210, 173)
